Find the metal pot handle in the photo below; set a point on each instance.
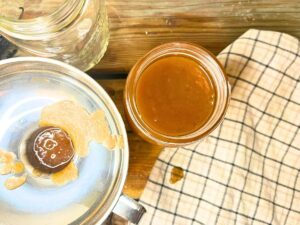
(129, 209)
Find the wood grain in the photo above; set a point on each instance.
(136, 26)
(142, 154)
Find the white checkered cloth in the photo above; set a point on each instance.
(247, 170)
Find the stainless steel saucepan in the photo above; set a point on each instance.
(27, 84)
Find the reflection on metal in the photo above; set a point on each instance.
(129, 209)
(7, 49)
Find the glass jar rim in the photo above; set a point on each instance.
(42, 27)
(203, 57)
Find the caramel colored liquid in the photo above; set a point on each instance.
(177, 174)
(175, 95)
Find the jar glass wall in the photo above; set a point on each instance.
(73, 31)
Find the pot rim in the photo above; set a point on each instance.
(101, 212)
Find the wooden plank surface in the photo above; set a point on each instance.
(142, 154)
(136, 26)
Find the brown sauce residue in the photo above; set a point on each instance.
(7, 157)
(36, 173)
(66, 175)
(175, 95)
(177, 174)
(18, 168)
(120, 142)
(79, 124)
(9, 165)
(6, 168)
(14, 182)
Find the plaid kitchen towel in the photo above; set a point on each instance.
(247, 170)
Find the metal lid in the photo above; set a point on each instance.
(27, 84)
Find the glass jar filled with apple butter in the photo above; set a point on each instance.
(176, 94)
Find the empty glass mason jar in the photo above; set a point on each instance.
(73, 31)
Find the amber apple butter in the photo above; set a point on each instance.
(175, 95)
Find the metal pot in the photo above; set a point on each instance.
(27, 84)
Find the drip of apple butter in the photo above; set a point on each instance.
(176, 174)
(14, 182)
(82, 126)
(9, 165)
(66, 175)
